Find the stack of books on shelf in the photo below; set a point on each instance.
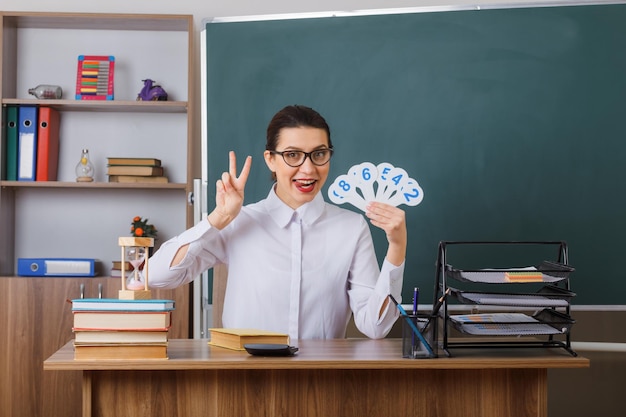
(109, 328)
(135, 170)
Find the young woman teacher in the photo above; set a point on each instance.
(296, 264)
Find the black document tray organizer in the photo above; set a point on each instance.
(548, 326)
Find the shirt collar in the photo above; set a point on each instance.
(283, 214)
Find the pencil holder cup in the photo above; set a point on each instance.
(412, 345)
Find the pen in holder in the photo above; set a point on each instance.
(412, 334)
(413, 346)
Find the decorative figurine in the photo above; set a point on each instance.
(135, 249)
(151, 92)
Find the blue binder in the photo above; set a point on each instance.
(56, 267)
(27, 143)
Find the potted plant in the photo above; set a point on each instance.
(140, 227)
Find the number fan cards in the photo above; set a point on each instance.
(367, 182)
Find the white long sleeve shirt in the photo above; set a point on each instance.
(301, 272)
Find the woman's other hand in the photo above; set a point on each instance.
(393, 221)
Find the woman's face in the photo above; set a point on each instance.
(298, 185)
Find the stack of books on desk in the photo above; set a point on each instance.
(109, 328)
(135, 170)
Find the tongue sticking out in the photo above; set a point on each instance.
(304, 186)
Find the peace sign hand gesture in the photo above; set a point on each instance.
(229, 193)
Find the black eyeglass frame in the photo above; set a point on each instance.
(306, 155)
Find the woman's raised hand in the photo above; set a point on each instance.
(229, 192)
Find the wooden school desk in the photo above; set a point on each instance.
(347, 377)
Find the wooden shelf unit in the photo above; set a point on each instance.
(36, 216)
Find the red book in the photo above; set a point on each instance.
(47, 144)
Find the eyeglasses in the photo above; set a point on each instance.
(294, 159)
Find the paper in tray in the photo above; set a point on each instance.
(547, 296)
(551, 272)
(546, 322)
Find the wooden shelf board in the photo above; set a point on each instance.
(105, 105)
(92, 185)
(93, 21)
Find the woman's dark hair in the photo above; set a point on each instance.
(294, 116)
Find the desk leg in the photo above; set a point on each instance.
(87, 379)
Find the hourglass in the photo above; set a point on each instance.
(135, 250)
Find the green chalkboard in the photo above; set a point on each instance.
(513, 121)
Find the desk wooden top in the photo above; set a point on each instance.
(322, 354)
